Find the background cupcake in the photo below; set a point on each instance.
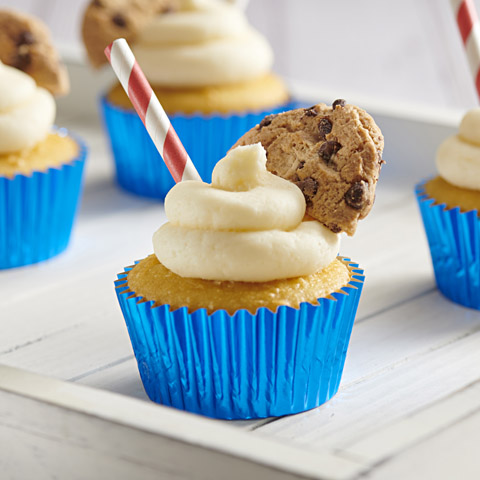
(210, 70)
(245, 310)
(449, 205)
(40, 166)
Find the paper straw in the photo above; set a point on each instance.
(469, 28)
(150, 111)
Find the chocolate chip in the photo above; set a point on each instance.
(339, 103)
(119, 20)
(167, 9)
(334, 228)
(301, 164)
(324, 126)
(266, 121)
(309, 187)
(328, 150)
(25, 38)
(97, 3)
(22, 60)
(357, 195)
(310, 112)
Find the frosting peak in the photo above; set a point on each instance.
(243, 170)
(245, 226)
(458, 157)
(27, 112)
(469, 129)
(208, 42)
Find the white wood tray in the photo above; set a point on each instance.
(72, 404)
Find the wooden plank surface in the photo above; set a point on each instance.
(442, 442)
(69, 431)
(434, 365)
(410, 385)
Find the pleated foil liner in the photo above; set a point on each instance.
(207, 138)
(454, 241)
(37, 211)
(243, 365)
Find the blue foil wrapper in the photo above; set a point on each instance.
(243, 365)
(37, 211)
(454, 241)
(207, 138)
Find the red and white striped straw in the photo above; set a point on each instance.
(469, 28)
(150, 111)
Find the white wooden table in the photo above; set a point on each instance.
(71, 400)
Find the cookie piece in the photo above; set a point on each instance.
(333, 154)
(25, 44)
(106, 20)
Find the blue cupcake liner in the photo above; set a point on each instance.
(207, 138)
(243, 365)
(37, 211)
(454, 241)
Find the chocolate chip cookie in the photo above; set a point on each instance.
(333, 154)
(25, 44)
(106, 20)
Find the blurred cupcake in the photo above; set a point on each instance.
(244, 310)
(210, 70)
(449, 205)
(40, 166)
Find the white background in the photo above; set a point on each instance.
(406, 52)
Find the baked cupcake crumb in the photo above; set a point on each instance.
(153, 281)
(451, 195)
(260, 93)
(54, 151)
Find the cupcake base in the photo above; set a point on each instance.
(243, 365)
(37, 211)
(207, 138)
(454, 241)
(451, 195)
(260, 93)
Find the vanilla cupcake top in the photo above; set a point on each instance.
(458, 157)
(206, 42)
(27, 112)
(247, 225)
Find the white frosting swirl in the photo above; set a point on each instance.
(27, 112)
(458, 157)
(207, 42)
(245, 226)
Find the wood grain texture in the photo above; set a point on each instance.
(443, 449)
(410, 384)
(70, 431)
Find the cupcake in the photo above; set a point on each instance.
(209, 68)
(245, 310)
(449, 205)
(40, 165)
